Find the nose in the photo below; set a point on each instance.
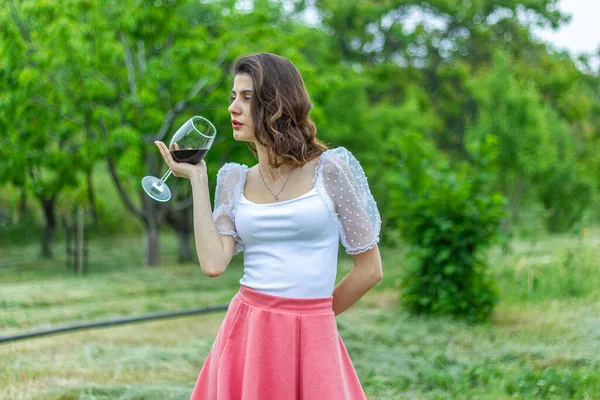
(233, 108)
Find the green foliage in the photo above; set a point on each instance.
(537, 152)
(449, 216)
(512, 111)
(566, 189)
(87, 79)
(104, 79)
(567, 193)
(375, 30)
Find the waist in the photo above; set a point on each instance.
(291, 275)
(318, 305)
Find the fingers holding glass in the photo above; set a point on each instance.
(195, 137)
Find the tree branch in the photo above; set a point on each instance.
(22, 29)
(129, 65)
(42, 101)
(173, 113)
(179, 107)
(113, 172)
(141, 55)
(154, 51)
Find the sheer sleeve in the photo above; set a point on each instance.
(230, 182)
(341, 178)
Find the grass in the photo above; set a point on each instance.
(543, 341)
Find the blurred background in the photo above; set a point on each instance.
(477, 123)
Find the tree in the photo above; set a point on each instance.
(125, 74)
(537, 150)
(444, 40)
(41, 149)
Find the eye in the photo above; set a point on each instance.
(232, 99)
(247, 98)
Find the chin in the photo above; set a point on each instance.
(241, 137)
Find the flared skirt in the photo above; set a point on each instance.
(278, 348)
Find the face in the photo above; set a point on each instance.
(239, 109)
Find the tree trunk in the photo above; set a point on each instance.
(506, 225)
(515, 200)
(148, 214)
(80, 240)
(512, 187)
(181, 223)
(185, 250)
(151, 232)
(152, 245)
(23, 205)
(50, 228)
(92, 198)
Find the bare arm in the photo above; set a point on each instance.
(366, 273)
(214, 251)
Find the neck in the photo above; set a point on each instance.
(269, 173)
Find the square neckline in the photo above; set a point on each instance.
(305, 195)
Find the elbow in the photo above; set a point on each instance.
(376, 273)
(377, 276)
(212, 271)
(370, 265)
(371, 276)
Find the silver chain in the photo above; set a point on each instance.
(276, 196)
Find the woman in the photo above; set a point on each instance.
(288, 213)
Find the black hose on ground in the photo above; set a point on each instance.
(119, 321)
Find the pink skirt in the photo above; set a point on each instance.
(278, 348)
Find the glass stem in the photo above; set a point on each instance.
(165, 176)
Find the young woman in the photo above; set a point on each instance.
(288, 213)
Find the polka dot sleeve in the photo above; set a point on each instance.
(230, 182)
(343, 184)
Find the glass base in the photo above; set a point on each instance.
(156, 189)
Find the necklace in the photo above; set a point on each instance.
(276, 196)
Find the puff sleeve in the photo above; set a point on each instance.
(230, 182)
(342, 179)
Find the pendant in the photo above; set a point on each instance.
(276, 198)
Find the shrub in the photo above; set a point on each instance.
(449, 215)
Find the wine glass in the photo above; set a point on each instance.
(189, 145)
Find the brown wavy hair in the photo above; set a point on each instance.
(280, 107)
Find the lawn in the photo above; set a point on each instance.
(543, 341)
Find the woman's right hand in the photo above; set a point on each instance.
(181, 170)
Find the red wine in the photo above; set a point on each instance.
(190, 156)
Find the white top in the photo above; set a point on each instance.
(291, 247)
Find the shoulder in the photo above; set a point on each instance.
(337, 160)
(231, 174)
(231, 167)
(338, 155)
(338, 152)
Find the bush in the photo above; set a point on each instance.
(568, 192)
(450, 215)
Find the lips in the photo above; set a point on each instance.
(236, 124)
